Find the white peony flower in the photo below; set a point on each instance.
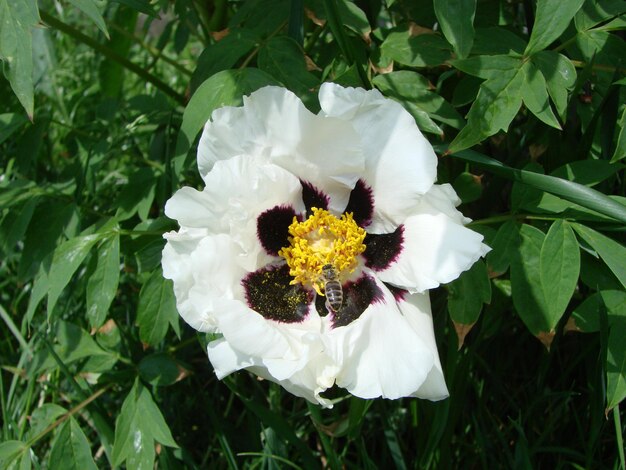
(314, 242)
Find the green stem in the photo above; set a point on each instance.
(111, 54)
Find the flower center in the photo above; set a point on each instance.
(320, 240)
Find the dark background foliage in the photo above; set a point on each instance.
(102, 102)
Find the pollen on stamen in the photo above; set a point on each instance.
(319, 240)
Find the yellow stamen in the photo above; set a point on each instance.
(322, 239)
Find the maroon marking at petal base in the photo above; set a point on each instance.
(313, 197)
(381, 250)
(269, 293)
(398, 293)
(361, 204)
(272, 228)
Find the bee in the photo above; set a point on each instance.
(332, 288)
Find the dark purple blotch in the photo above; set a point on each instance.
(269, 293)
(313, 197)
(361, 204)
(272, 228)
(398, 293)
(381, 250)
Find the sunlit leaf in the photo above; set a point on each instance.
(71, 449)
(90, 8)
(528, 293)
(156, 310)
(611, 252)
(282, 58)
(425, 50)
(559, 268)
(102, 284)
(138, 425)
(17, 18)
(535, 95)
(66, 260)
(497, 103)
(456, 18)
(551, 19)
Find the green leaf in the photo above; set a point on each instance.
(138, 425)
(65, 261)
(11, 452)
(282, 58)
(223, 55)
(71, 450)
(528, 293)
(468, 293)
(559, 268)
(90, 8)
(620, 147)
(13, 226)
(46, 227)
(72, 343)
(413, 91)
(588, 172)
(496, 105)
(560, 76)
(17, 18)
(351, 16)
(156, 309)
(535, 95)
(102, 284)
(137, 195)
(611, 252)
(9, 123)
(551, 19)
(616, 362)
(456, 18)
(568, 190)
(595, 12)
(224, 88)
(497, 40)
(159, 369)
(504, 243)
(587, 314)
(587, 319)
(468, 187)
(488, 66)
(425, 50)
(42, 417)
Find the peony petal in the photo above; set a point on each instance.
(237, 192)
(274, 125)
(400, 164)
(204, 270)
(380, 353)
(309, 382)
(416, 309)
(435, 250)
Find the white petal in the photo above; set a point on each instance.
(381, 354)
(203, 271)
(400, 164)
(274, 125)
(435, 250)
(416, 309)
(237, 191)
(291, 356)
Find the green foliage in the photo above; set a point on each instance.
(102, 105)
